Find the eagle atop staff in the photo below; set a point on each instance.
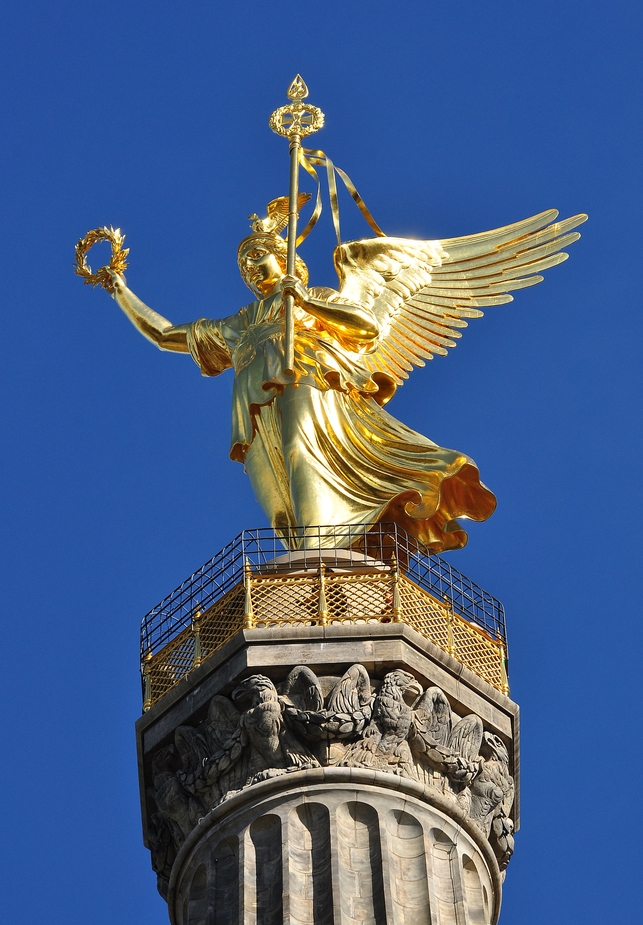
(277, 217)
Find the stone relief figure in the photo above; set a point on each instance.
(492, 796)
(217, 741)
(272, 746)
(392, 725)
(239, 747)
(384, 744)
(348, 706)
(175, 803)
(442, 745)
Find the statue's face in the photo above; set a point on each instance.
(260, 268)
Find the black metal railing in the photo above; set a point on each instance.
(355, 546)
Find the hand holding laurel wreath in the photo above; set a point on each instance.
(117, 264)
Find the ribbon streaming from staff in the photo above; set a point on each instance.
(308, 157)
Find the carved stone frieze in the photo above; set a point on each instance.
(391, 725)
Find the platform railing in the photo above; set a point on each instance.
(329, 575)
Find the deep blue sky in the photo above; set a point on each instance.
(451, 118)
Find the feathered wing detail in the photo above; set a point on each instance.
(434, 710)
(195, 746)
(223, 769)
(493, 749)
(278, 210)
(277, 218)
(192, 748)
(352, 692)
(466, 737)
(302, 689)
(422, 292)
(222, 722)
(509, 794)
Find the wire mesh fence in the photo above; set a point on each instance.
(348, 547)
(375, 593)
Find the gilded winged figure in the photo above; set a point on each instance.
(318, 446)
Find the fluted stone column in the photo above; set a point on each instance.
(335, 845)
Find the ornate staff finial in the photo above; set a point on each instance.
(298, 89)
(294, 121)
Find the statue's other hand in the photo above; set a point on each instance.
(292, 285)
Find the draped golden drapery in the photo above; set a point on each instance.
(321, 450)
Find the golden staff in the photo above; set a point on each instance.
(294, 121)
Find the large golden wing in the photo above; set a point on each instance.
(422, 292)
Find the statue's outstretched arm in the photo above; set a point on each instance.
(155, 327)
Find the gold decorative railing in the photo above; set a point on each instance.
(323, 598)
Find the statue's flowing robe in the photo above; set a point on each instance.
(318, 447)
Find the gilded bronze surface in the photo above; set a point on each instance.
(310, 384)
(296, 118)
(117, 263)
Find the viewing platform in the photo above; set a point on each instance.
(331, 576)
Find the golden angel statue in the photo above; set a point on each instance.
(316, 442)
(314, 367)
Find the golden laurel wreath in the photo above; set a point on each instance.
(117, 263)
